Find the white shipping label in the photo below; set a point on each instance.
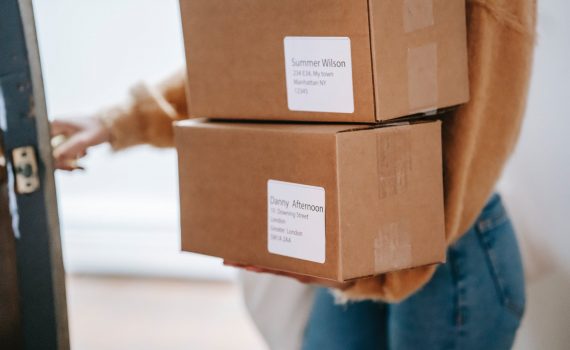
(319, 74)
(296, 220)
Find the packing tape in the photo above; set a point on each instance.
(394, 162)
(392, 244)
(392, 247)
(422, 61)
(418, 14)
(423, 91)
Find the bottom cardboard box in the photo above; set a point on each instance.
(326, 200)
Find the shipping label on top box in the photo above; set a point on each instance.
(319, 74)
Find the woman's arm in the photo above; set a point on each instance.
(145, 119)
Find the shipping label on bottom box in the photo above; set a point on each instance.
(296, 220)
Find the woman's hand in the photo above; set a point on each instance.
(300, 278)
(79, 134)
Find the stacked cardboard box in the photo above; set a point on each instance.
(316, 157)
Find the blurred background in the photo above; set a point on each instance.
(130, 288)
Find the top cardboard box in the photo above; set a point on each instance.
(324, 60)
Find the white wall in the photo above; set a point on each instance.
(537, 189)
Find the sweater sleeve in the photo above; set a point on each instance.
(479, 137)
(148, 115)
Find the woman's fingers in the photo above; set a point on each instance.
(67, 164)
(71, 139)
(73, 148)
(68, 153)
(63, 127)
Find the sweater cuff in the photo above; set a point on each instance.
(390, 287)
(146, 118)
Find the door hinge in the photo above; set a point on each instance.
(25, 165)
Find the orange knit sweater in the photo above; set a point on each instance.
(477, 138)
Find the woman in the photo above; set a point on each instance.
(476, 300)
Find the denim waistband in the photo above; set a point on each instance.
(492, 215)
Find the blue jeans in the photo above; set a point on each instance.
(474, 301)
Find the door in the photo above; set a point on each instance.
(33, 312)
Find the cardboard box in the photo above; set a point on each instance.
(331, 201)
(324, 60)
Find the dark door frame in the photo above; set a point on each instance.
(33, 294)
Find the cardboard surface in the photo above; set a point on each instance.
(407, 57)
(383, 194)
